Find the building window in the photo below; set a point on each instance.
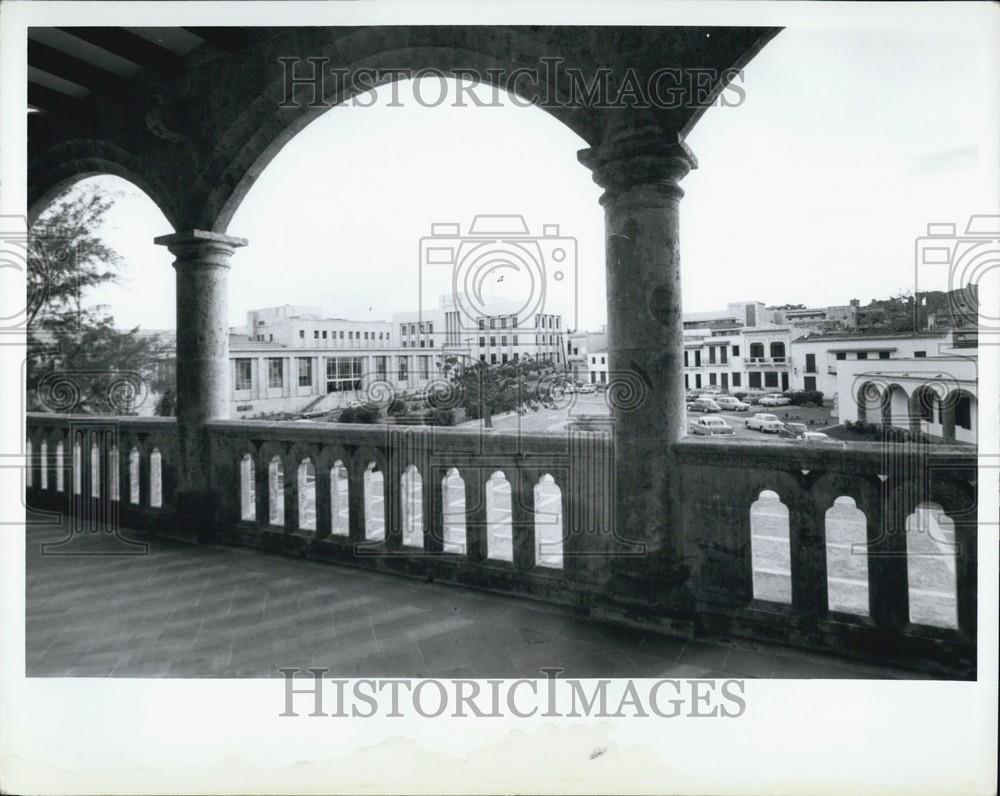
(711, 379)
(711, 356)
(402, 329)
(503, 323)
(841, 355)
(736, 350)
(244, 371)
(404, 344)
(883, 354)
(341, 334)
(756, 350)
(493, 359)
(503, 358)
(324, 335)
(920, 354)
(425, 367)
(724, 354)
(430, 328)
(754, 380)
(697, 358)
(275, 376)
(810, 363)
(862, 355)
(343, 374)
(493, 341)
(515, 340)
(401, 369)
(685, 358)
(482, 324)
(305, 372)
(482, 357)
(302, 334)
(771, 379)
(423, 343)
(482, 342)
(513, 321)
(493, 323)
(686, 385)
(697, 381)
(736, 379)
(602, 360)
(382, 367)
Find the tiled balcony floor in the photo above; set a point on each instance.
(204, 611)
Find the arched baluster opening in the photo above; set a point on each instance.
(930, 567)
(95, 465)
(499, 529)
(374, 503)
(248, 490)
(60, 466)
(29, 475)
(453, 510)
(847, 557)
(548, 523)
(44, 454)
(276, 492)
(114, 487)
(156, 479)
(77, 464)
(770, 549)
(340, 513)
(133, 477)
(411, 496)
(307, 495)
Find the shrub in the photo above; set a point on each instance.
(397, 407)
(443, 417)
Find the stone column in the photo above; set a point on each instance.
(639, 172)
(203, 388)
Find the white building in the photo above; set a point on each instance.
(496, 334)
(579, 346)
(305, 327)
(597, 367)
(737, 358)
(817, 358)
(933, 394)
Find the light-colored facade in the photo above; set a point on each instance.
(496, 334)
(937, 395)
(579, 346)
(268, 378)
(597, 367)
(297, 326)
(737, 359)
(817, 358)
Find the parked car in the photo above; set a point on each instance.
(602, 386)
(711, 426)
(588, 388)
(703, 405)
(769, 424)
(793, 430)
(775, 399)
(730, 404)
(712, 389)
(816, 436)
(569, 389)
(753, 396)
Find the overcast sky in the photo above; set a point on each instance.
(812, 191)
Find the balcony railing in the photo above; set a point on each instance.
(529, 515)
(760, 362)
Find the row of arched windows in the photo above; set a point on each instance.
(930, 557)
(58, 464)
(500, 539)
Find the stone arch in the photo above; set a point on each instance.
(895, 406)
(411, 501)
(925, 408)
(370, 470)
(869, 397)
(549, 522)
(258, 133)
(959, 410)
(776, 350)
(453, 512)
(248, 487)
(770, 548)
(69, 162)
(845, 527)
(931, 566)
(499, 517)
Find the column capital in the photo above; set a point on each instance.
(640, 166)
(198, 245)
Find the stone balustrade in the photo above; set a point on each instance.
(811, 545)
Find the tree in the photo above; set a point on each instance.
(78, 361)
(485, 390)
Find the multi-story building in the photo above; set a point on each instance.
(496, 333)
(817, 357)
(305, 327)
(579, 346)
(738, 358)
(597, 367)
